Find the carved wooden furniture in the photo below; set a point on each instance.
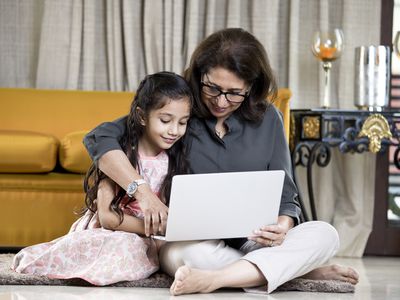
(314, 132)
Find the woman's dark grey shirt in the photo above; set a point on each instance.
(245, 147)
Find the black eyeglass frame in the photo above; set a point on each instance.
(226, 94)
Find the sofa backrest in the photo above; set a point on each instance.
(59, 112)
(282, 103)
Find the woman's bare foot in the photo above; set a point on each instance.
(333, 272)
(189, 281)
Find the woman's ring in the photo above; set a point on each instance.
(271, 243)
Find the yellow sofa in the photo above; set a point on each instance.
(43, 160)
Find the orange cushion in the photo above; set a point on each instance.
(73, 155)
(27, 152)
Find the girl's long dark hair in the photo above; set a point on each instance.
(154, 92)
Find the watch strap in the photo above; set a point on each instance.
(140, 181)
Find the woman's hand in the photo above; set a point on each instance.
(154, 210)
(273, 235)
(116, 165)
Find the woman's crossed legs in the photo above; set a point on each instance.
(204, 266)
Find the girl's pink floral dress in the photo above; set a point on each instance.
(98, 255)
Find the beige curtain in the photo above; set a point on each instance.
(112, 44)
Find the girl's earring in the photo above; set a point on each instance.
(140, 115)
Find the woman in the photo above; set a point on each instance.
(234, 129)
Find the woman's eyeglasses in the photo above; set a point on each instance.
(213, 91)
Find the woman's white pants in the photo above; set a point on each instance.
(306, 247)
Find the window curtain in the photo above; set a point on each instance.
(112, 44)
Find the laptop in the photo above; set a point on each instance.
(222, 205)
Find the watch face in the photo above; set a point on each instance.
(132, 187)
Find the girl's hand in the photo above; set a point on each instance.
(273, 235)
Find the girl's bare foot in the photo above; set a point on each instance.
(190, 280)
(333, 272)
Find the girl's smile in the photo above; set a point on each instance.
(163, 127)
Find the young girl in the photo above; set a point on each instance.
(107, 244)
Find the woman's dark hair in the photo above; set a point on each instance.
(154, 92)
(241, 53)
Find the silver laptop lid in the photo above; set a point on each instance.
(223, 205)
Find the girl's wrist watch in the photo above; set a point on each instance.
(133, 186)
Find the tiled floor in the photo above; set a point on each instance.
(379, 279)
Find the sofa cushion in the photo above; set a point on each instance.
(73, 155)
(27, 152)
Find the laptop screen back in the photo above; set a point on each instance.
(223, 205)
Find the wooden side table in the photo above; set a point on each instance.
(314, 132)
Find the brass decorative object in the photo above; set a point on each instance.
(376, 128)
(292, 132)
(311, 127)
